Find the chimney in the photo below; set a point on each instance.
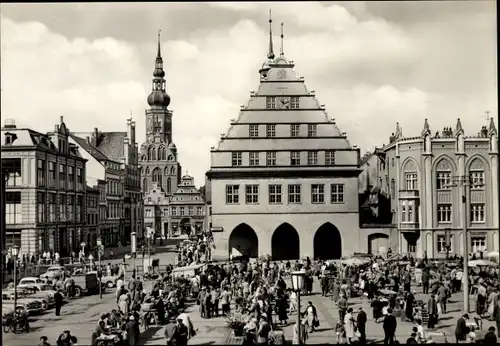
(56, 128)
(10, 124)
(95, 136)
(88, 140)
(129, 128)
(132, 139)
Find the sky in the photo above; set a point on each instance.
(372, 63)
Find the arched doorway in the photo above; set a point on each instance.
(185, 226)
(243, 240)
(285, 243)
(327, 242)
(378, 243)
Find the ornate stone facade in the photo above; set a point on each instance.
(423, 177)
(283, 178)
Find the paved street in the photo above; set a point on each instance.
(80, 316)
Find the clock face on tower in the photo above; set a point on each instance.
(281, 74)
(284, 103)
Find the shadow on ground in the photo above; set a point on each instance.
(148, 335)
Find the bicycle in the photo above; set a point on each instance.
(15, 324)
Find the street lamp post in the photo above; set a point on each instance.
(14, 251)
(298, 285)
(462, 182)
(82, 245)
(99, 249)
(134, 250)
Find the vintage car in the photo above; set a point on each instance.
(29, 281)
(44, 292)
(25, 295)
(54, 272)
(109, 280)
(32, 305)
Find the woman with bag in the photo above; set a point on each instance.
(349, 325)
(312, 316)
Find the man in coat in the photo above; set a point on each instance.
(324, 285)
(133, 332)
(496, 317)
(389, 325)
(176, 334)
(432, 311)
(361, 325)
(342, 306)
(443, 296)
(425, 281)
(58, 300)
(461, 330)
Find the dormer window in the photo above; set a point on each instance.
(10, 138)
(294, 102)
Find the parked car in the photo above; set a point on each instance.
(53, 273)
(32, 305)
(109, 281)
(29, 281)
(44, 292)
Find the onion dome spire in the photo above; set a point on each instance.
(270, 55)
(158, 96)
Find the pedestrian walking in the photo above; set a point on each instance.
(58, 300)
(361, 325)
(390, 325)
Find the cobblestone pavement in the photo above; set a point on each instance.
(80, 316)
(328, 317)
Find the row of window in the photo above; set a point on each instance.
(69, 176)
(294, 194)
(69, 208)
(444, 212)
(253, 130)
(271, 158)
(177, 211)
(114, 187)
(162, 154)
(292, 102)
(43, 175)
(444, 180)
(477, 244)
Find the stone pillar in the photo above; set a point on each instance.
(162, 229)
(170, 228)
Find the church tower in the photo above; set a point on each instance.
(159, 161)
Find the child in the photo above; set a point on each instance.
(339, 331)
(471, 337)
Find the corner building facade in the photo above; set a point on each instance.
(284, 178)
(420, 173)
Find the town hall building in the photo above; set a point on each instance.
(284, 178)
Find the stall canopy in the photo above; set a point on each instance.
(482, 263)
(188, 270)
(356, 261)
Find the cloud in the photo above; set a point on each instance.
(370, 72)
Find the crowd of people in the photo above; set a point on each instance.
(256, 299)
